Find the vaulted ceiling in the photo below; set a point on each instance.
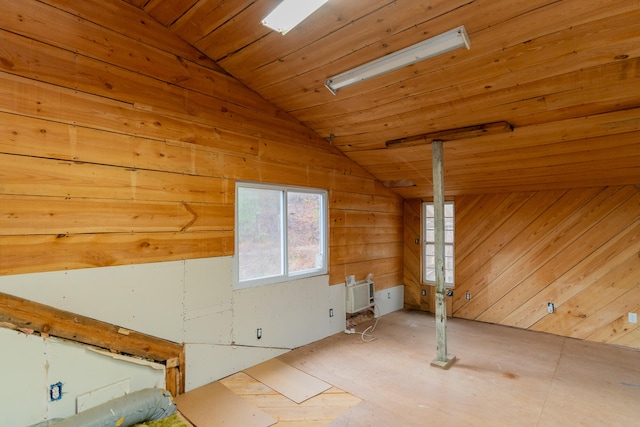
(564, 75)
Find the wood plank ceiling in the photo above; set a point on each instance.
(564, 73)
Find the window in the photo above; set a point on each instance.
(280, 233)
(429, 259)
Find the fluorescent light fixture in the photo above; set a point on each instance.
(437, 45)
(290, 13)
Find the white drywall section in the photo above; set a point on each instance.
(207, 363)
(389, 300)
(208, 299)
(220, 323)
(24, 379)
(290, 314)
(145, 298)
(337, 298)
(31, 364)
(193, 302)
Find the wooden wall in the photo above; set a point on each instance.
(120, 144)
(515, 252)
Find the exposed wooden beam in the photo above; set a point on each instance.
(443, 360)
(451, 134)
(28, 316)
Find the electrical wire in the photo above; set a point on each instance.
(370, 329)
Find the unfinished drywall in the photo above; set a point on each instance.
(23, 366)
(289, 314)
(208, 301)
(137, 297)
(221, 324)
(389, 300)
(193, 302)
(31, 364)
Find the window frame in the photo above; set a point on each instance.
(425, 242)
(286, 275)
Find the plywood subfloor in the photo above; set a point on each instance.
(503, 376)
(317, 411)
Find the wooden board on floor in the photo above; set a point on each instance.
(319, 411)
(287, 380)
(215, 405)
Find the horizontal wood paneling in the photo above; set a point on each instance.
(56, 215)
(121, 144)
(522, 159)
(37, 253)
(544, 66)
(39, 176)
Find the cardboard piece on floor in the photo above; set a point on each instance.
(215, 405)
(287, 380)
(184, 420)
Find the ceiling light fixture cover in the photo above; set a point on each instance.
(290, 13)
(437, 45)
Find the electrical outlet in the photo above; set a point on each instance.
(467, 296)
(259, 333)
(55, 391)
(388, 295)
(331, 312)
(424, 292)
(550, 307)
(633, 318)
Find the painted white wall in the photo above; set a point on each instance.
(30, 364)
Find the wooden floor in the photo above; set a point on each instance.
(504, 377)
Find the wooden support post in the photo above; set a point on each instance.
(443, 360)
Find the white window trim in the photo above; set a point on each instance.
(424, 244)
(246, 284)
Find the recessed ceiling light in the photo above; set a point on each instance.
(290, 13)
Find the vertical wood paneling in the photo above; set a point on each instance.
(118, 147)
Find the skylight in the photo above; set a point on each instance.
(290, 13)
